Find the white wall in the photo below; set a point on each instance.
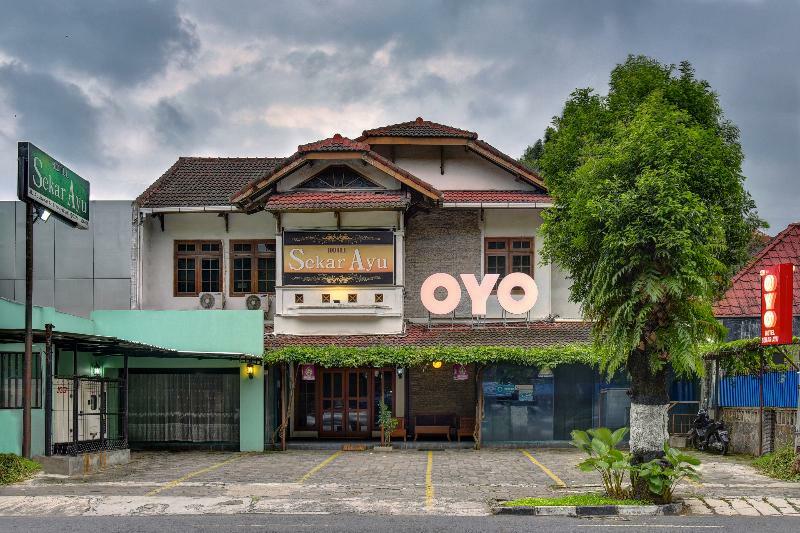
(158, 252)
(462, 169)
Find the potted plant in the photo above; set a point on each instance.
(388, 424)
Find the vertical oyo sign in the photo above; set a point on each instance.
(776, 304)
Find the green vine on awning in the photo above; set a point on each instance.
(405, 356)
(743, 356)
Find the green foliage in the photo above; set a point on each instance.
(650, 213)
(338, 356)
(743, 356)
(662, 475)
(530, 158)
(14, 468)
(612, 464)
(781, 464)
(387, 422)
(572, 500)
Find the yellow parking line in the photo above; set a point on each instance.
(176, 482)
(544, 469)
(319, 467)
(429, 483)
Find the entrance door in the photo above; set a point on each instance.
(345, 403)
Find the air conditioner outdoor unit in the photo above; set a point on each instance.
(257, 301)
(212, 300)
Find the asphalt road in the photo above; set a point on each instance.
(373, 523)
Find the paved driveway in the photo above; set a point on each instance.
(460, 482)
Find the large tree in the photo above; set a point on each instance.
(649, 219)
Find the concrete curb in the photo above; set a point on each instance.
(670, 509)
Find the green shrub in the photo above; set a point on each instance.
(386, 422)
(604, 457)
(572, 499)
(14, 468)
(662, 475)
(781, 464)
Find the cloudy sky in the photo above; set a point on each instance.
(118, 90)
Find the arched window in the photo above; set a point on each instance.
(338, 177)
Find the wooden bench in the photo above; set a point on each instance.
(434, 425)
(466, 427)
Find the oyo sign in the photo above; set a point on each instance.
(479, 292)
(776, 304)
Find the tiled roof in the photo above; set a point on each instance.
(743, 298)
(204, 181)
(337, 143)
(336, 200)
(494, 197)
(418, 128)
(519, 335)
(479, 145)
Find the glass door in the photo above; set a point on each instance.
(358, 403)
(333, 403)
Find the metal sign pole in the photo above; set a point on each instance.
(26, 365)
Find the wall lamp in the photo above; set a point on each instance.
(250, 370)
(96, 370)
(436, 364)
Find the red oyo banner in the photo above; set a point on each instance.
(776, 304)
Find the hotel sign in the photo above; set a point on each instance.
(46, 182)
(776, 304)
(338, 258)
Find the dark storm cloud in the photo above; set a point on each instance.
(53, 113)
(121, 40)
(256, 78)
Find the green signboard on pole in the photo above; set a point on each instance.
(46, 182)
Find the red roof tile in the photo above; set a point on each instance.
(337, 143)
(418, 128)
(743, 298)
(299, 200)
(204, 181)
(520, 335)
(494, 197)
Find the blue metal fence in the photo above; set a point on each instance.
(780, 390)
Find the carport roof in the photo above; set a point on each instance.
(103, 345)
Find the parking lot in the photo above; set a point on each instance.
(460, 482)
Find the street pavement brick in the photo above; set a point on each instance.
(763, 507)
(783, 506)
(720, 506)
(696, 506)
(743, 508)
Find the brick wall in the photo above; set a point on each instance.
(441, 240)
(434, 391)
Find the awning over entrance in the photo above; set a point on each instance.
(102, 345)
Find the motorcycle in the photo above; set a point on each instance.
(709, 435)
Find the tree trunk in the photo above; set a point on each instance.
(649, 404)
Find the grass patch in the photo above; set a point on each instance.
(781, 464)
(572, 499)
(14, 468)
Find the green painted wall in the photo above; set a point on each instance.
(201, 331)
(11, 419)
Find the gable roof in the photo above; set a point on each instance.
(204, 181)
(418, 128)
(324, 148)
(743, 298)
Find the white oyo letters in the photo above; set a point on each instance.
(428, 296)
(511, 304)
(479, 292)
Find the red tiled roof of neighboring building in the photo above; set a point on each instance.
(743, 298)
(312, 200)
(204, 181)
(495, 197)
(418, 128)
(517, 335)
